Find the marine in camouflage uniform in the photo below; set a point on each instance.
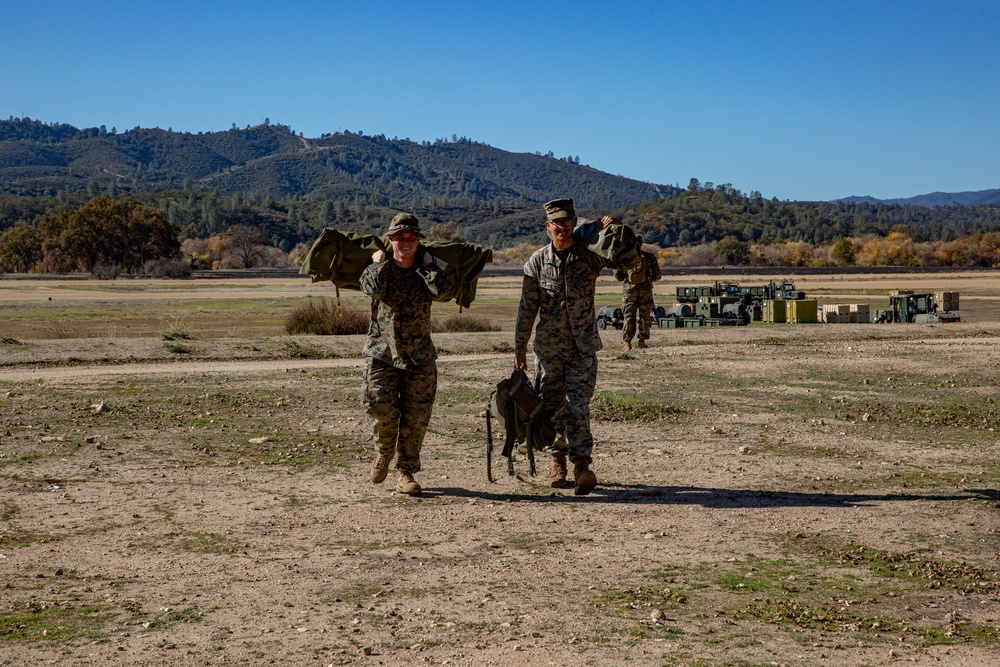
(558, 289)
(637, 297)
(401, 374)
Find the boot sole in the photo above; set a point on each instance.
(585, 486)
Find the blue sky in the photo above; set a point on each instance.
(797, 100)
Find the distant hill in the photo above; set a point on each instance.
(980, 197)
(38, 159)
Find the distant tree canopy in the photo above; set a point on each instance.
(20, 248)
(104, 232)
(731, 250)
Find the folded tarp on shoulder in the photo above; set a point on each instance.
(616, 243)
(341, 257)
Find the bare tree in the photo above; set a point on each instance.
(246, 245)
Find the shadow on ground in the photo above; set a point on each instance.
(706, 497)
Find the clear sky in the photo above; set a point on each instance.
(797, 100)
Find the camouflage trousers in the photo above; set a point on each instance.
(567, 384)
(398, 403)
(637, 305)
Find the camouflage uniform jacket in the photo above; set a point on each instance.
(650, 266)
(400, 331)
(561, 294)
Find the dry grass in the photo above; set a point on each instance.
(323, 318)
(463, 323)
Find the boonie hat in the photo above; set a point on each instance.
(404, 221)
(558, 209)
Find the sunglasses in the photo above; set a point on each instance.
(563, 223)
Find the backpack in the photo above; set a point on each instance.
(519, 408)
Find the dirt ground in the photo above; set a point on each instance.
(770, 495)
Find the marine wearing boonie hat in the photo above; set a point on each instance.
(558, 209)
(403, 222)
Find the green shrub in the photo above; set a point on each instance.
(321, 317)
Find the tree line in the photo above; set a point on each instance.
(704, 225)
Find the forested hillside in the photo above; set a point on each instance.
(705, 213)
(271, 161)
(281, 190)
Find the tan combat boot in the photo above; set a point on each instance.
(586, 480)
(641, 343)
(380, 467)
(557, 473)
(407, 484)
(627, 345)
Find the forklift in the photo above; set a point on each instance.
(915, 309)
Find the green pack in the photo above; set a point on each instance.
(616, 243)
(341, 257)
(518, 408)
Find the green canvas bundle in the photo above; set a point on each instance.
(617, 243)
(341, 257)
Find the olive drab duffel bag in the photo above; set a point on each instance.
(518, 407)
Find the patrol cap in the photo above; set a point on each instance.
(404, 221)
(558, 209)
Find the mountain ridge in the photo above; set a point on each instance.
(932, 199)
(44, 159)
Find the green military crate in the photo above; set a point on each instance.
(801, 311)
(774, 311)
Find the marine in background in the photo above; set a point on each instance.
(637, 298)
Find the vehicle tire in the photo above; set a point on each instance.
(601, 323)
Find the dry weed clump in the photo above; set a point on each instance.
(166, 267)
(323, 318)
(463, 323)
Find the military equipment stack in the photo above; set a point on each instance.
(730, 304)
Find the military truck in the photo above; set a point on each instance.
(695, 294)
(783, 291)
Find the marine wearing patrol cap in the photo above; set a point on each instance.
(408, 221)
(558, 209)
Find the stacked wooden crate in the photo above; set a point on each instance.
(861, 313)
(836, 313)
(947, 301)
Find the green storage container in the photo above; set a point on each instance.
(774, 311)
(801, 311)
